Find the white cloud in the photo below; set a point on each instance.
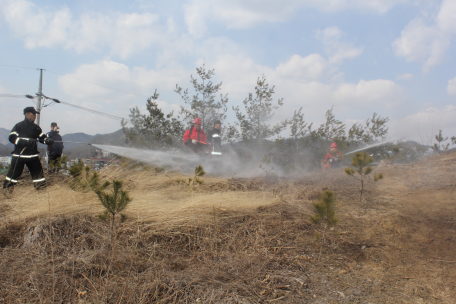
(406, 76)
(123, 34)
(117, 75)
(452, 86)
(302, 82)
(368, 93)
(307, 82)
(248, 13)
(311, 67)
(428, 43)
(424, 125)
(337, 49)
(194, 18)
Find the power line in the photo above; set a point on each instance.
(67, 104)
(84, 109)
(13, 96)
(13, 66)
(97, 84)
(93, 111)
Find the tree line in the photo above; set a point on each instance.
(252, 125)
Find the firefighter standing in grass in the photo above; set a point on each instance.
(55, 150)
(332, 159)
(195, 138)
(214, 136)
(25, 136)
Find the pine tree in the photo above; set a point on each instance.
(298, 127)
(439, 138)
(325, 212)
(259, 110)
(83, 180)
(202, 103)
(58, 163)
(114, 202)
(154, 130)
(361, 162)
(332, 129)
(358, 134)
(373, 130)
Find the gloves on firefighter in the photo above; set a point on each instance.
(48, 141)
(29, 143)
(194, 141)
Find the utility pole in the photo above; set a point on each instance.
(39, 94)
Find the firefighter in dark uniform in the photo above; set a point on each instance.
(25, 136)
(55, 150)
(214, 137)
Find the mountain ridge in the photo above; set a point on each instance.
(75, 145)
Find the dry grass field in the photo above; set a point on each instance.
(235, 240)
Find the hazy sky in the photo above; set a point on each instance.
(393, 57)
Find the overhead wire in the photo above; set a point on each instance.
(93, 111)
(13, 66)
(54, 101)
(72, 105)
(85, 109)
(13, 96)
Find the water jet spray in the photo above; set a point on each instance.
(370, 146)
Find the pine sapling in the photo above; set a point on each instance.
(325, 212)
(361, 162)
(58, 163)
(199, 171)
(114, 202)
(439, 138)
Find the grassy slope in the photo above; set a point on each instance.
(237, 241)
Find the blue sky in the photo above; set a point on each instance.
(392, 57)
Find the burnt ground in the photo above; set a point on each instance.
(396, 246)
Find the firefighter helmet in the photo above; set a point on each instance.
(197, 121)
(334, 145)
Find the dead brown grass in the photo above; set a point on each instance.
(236, 241)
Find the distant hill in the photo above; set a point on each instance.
(116, 139)
(76, 137)
(5, 151)
(73, 150)
(85, 151)
(4, 133)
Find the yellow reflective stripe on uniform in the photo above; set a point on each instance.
(11, 180)
(39, 180)
(14, 133)
(215, 135)
(41, 134)
(17, 140)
